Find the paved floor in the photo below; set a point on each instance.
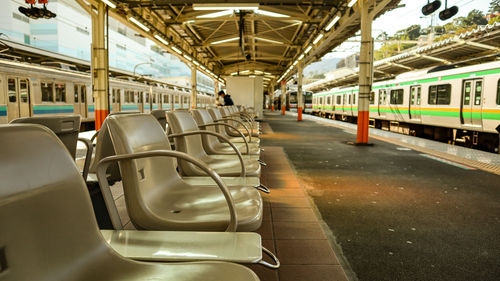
(395, 213)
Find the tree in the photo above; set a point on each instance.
(494, 7)
(475, 17)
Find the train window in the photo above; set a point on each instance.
(147, 97)
(12, 90)
(339, 99)
(176, 99)
(75, 89)
(419, 95)
(154, 98)
(23, 90)
(372, 98)
(498, 92)
(397, 96)
(83, 91)
(440, 94)
(47, 91)
(350, 99)
(479, 91)
(329, 100)
(118, 96)
(467, 91)
(61, 92)
(354, 99)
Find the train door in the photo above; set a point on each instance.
(140, 101)
(382, 98)
(472, 100)
(18, 93)
(349, 106)
(414, 105)
(344, 104)
(116, 100)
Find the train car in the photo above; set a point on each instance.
(36, 90)
(456, 104)
(292, 101)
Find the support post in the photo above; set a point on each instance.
(283, 97)
(365, 72)
(193, 86)
(300, 96)
(99, 65)
(271, 96)
(216, 90)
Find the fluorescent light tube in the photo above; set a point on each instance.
(334, 20)
(352, 3)
(308, 49)
(216, 14)
(268, 40)
(176, 50)
(139, 24)
(271, 14)
(225, 40)
(318, 38)
(109, 3)
(159, 38)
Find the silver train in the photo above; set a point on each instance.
(34, 90)
(459, 105)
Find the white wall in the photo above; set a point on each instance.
(246, 91)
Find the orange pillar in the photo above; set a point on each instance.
(283, 96)
(365, 73)
(100, 77)
(300, 95)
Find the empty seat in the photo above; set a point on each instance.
(156, 196)
(49, 231)
(160, 115)
(211, 144)
(217, 116)
(237, 121)
(225, 165)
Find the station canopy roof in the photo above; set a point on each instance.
(246, 37)
(475, 46)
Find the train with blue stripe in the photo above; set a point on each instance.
(459, 105)
(28, 89)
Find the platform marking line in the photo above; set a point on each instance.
(447, 162)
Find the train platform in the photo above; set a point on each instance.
(402, 209)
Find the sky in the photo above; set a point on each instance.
(407, 16)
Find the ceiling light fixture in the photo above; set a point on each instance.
(268, 40)
(234, 73)
(271, 14)
(177, 50)
(334, 21)
(308, 49)
(138, 23)
(318, 38)
(225, 40)
(216, 14)
(159, 38)
(215, 7)
(196, 63)
(301, 57)
(109, 3)
(352, 3)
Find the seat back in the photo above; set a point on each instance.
(215, 113)
(202, 117)
(181, 122)
(147, 180)
(65, 127)
(47, 227)
(104, 148)
(160, 115)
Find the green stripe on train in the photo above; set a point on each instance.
(428, 80)
(50, 109)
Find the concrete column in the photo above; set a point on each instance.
(283, 97)
(300, 96)
(99, 65)
(365, 72)
(271, 96)
(193, 87)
